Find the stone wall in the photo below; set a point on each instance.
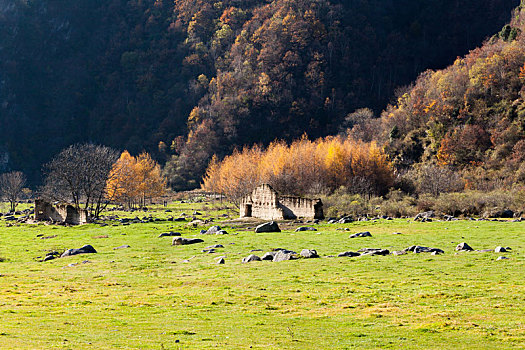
(65, 213)
(298, 207)
(45, 211)
(265, 203)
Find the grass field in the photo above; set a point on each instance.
(147, 297)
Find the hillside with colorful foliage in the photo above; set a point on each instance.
(187, 79)
(469, 117)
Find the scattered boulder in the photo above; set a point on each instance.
(170, 234)
(502, 258)
(348, 254)
(361, 234)
(399, 252)
(464, 247)
(213, 230)
(304, 228)
(309, 253)
(51, 255)
(500, 250)
(397, 233)
(268, 256)
(221, 232)
(373, 251)
(250, 258)
(424, 215)
(185, 241)
(221, 261)
(346, 220)
(215, 246)
(283, 255)
(268, 227)
(87, 249)
(122, 247)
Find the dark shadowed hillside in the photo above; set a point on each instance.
(188, 78)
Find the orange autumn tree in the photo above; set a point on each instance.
(303, 167)
(133, 180)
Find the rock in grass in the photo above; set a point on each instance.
(170, 234)
(420, 249)
(213, 230)
(250, 258)
(221, 261)
(309, 253)
(373, 251)
(215, 246)
(500, 250)
(361, 234)
(399, 252)
(87, 249)
(502, 258)
(122, 247)
(283, 255)
(268, 227)
(268, 256)
(464, 247)
(185, 241)
(348, 254)
(304, 228)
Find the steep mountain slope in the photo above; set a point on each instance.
(470, 116)
(134, 73)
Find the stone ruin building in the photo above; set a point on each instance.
(62, 212)
(265, 203)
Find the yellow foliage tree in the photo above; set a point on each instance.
(303, 167)
(133, 180)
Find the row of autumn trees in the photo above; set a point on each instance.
(92, 176)
(303, 167)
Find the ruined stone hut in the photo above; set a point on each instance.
(265, 203)
(62, 212)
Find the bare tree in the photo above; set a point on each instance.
(79, 174)
(11, 186)
(435, 180)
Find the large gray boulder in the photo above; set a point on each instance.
(361, 234)
(464, 247)
(185, 241)
(304, 228)
(373, 251)
(250, 258)
(283, 255)
(268, 256)
(425, 215)
(309, 253)
(348, 254)
(170, 234)
(87, 249)
(500, 250)
(213, 230)
(268, 227)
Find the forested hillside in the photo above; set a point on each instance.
(186, 79)
(469, 117)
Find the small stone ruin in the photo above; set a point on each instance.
(265, 203)
(61, 213)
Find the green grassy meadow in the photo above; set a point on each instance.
(148, 297)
